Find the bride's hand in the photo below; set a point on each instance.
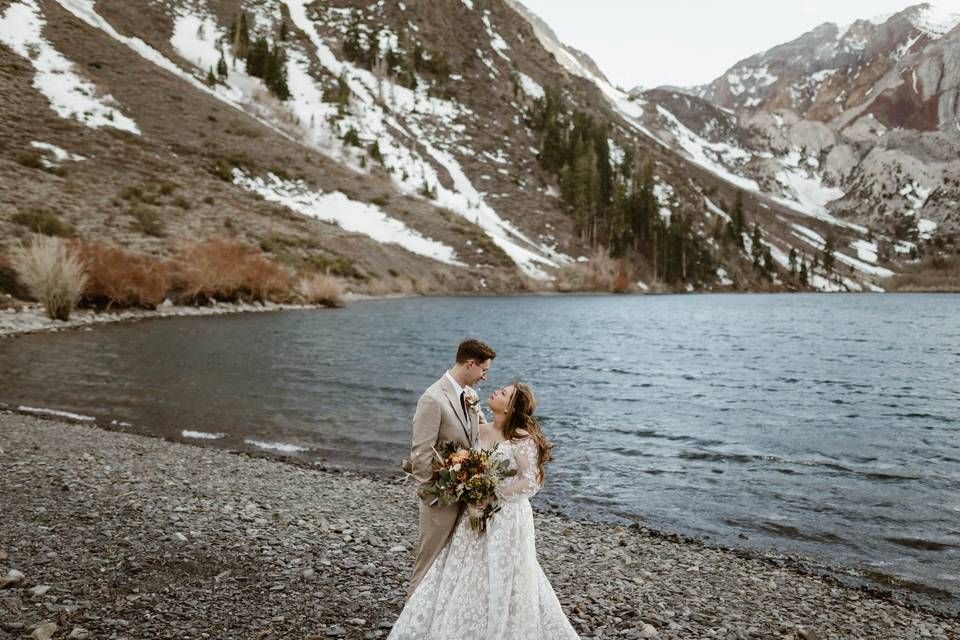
(483, 503)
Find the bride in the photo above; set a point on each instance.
(492, 584)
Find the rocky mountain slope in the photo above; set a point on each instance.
(859, 122)
(434, 145)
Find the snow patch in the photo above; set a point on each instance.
(664, 194)
(84, 10)
(530, 86)
(915, 194)
(820, 283)
(724, 277)
(59, 154)
(748, 80)
(709, 154)
(809, 192)
(926, 228)
(866, 251)
(498, 43)
(822, 75)
(711, 207)
(335, 207)
(70, 95)
(936, 21)
(398, 143)
(905, 48)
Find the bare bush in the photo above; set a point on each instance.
(600, 273)
(45, 222)
(52, 272)
(621, 283)
(118, 278)
(9, 283)
(939, 273)
(377, 287)
(228, 272)
(321, 288)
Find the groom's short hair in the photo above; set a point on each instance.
(471, 349)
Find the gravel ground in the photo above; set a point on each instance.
(114, 535)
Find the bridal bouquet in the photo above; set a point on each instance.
(471, 477)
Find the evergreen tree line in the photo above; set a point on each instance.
(262, 59)
(615, 205)
(402, 63)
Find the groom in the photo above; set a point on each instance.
(445, 413)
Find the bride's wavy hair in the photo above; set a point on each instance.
(520, 417)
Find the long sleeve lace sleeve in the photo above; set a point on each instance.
(524, 484)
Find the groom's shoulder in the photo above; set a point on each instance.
(436, 388)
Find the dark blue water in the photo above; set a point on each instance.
(822, 425)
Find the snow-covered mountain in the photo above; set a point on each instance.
(861, 121)
(410, 142)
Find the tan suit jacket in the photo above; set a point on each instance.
(439, 419)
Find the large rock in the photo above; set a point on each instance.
(44, 631)
(13, 577)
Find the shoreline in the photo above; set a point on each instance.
(30, 318)
(145, 537)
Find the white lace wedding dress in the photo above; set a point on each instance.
(490, 586)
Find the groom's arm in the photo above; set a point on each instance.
(426, 428)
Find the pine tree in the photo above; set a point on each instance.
(242, 41)
(641, 207)
(830, 245)
(276, 73)
(270, 65)
(717, 230)
(258, 57)
(793, 263)
(375, 153)
(756, 248)
(352, 137)
(222, 67)
(372, 55)
(768, 266)
(738, 222)
(803, 274)
(284, 33)
(618, 232)
(352, 44)
(340, 94)
(419, 59)
(211, 79)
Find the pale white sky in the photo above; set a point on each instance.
(690, 42)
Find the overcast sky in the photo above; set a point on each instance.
(689, 42)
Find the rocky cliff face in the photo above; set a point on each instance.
(869, 109)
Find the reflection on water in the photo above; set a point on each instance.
(821, 425)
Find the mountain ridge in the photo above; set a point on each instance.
(407, 150)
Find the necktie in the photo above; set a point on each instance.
(463, 405)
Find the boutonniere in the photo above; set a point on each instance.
(472, 402)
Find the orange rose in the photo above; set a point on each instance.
(459, 456)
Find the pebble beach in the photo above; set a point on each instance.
(115, 535)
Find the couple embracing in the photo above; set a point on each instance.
(466, 583)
